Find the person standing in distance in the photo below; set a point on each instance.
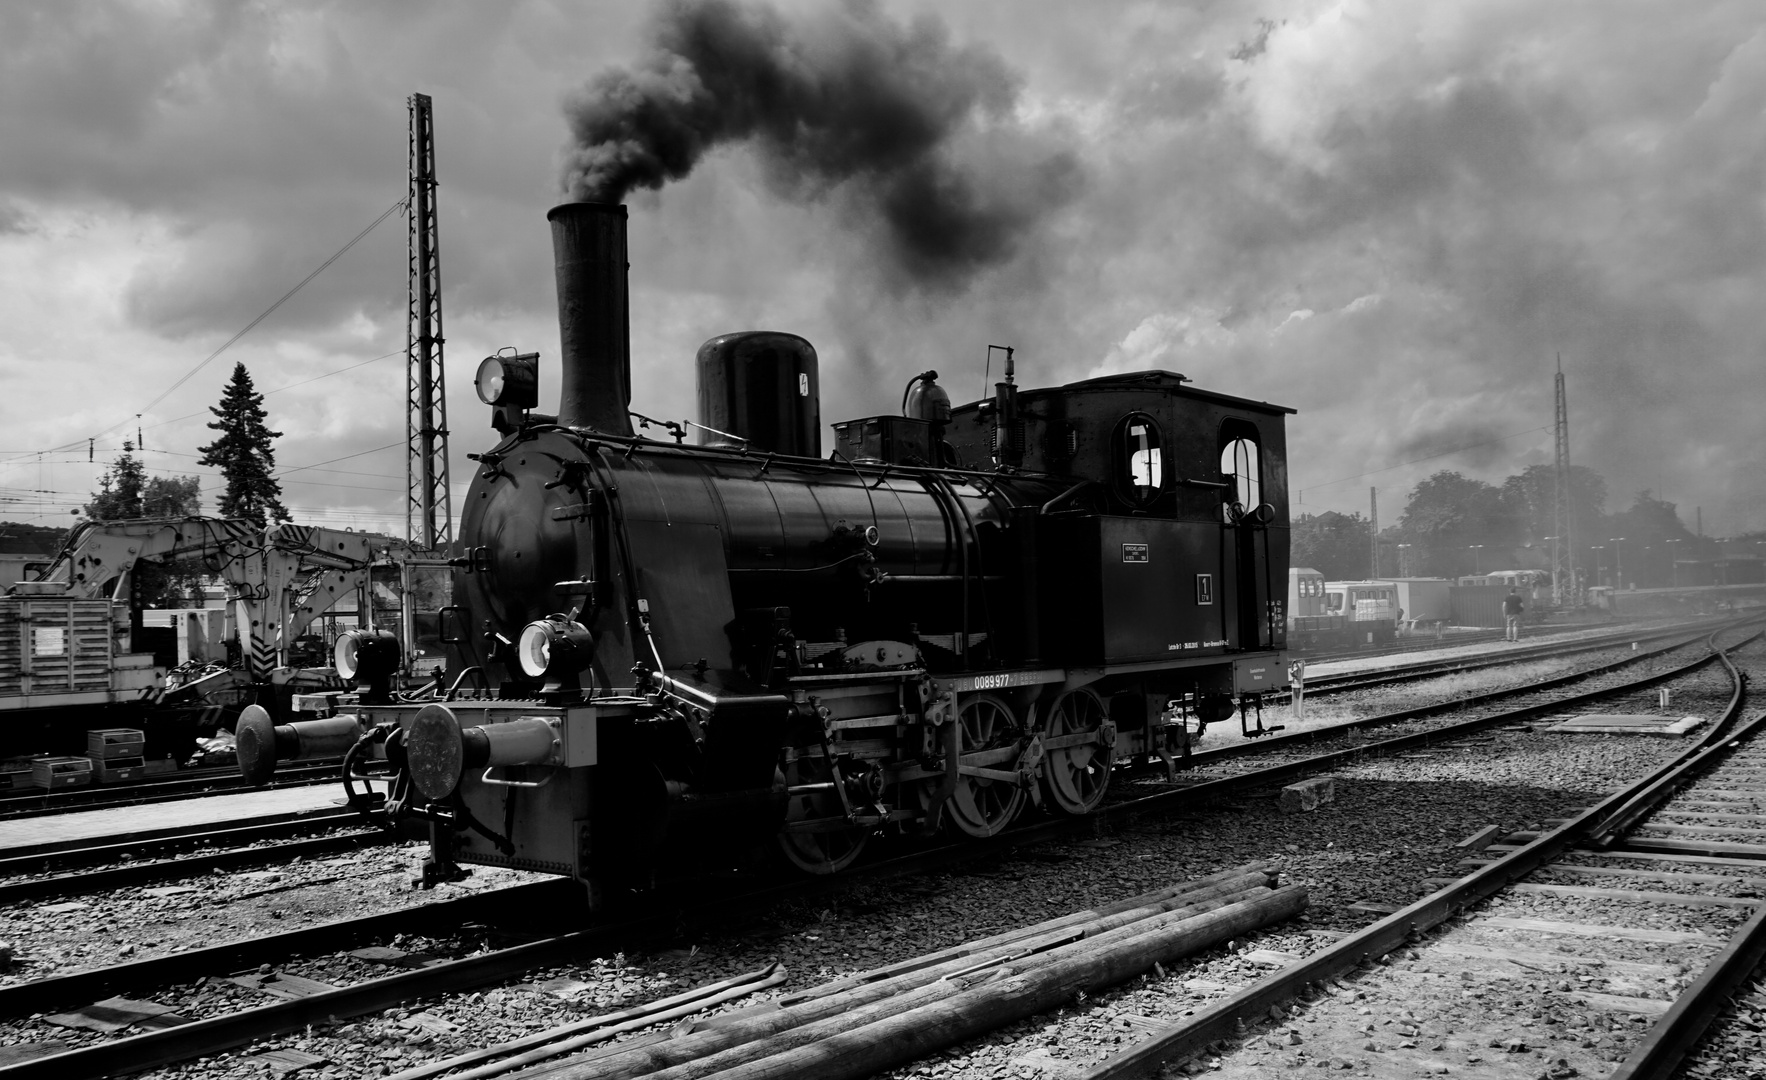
(1512, 606)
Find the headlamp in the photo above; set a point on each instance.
(534, 649)
(556, 649)
(512, 381)
(366, 655)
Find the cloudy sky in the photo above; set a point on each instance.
(1391, 216)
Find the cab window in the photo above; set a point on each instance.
(1140, 466)
(1240, 467)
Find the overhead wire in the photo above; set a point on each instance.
(267, 393)
(267, 312)
(230, 342)
(346, 457)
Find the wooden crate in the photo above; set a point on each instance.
(60, 772)
(107, 744)
(116, 770)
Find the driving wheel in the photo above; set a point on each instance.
(823, 842)
(983, 805)
(1076, 765)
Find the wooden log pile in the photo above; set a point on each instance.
(875, 1021)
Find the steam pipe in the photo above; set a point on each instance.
(594, 316)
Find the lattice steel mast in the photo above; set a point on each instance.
(429, 519)
(1373, 528)
(1563, 551)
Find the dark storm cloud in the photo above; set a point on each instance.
(1470, 443)
(1394, 217)
(905, 128)
(263, 137)
(1391, 215)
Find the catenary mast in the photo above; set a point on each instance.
(1563, 551)
(1373, 529)
(429, 523)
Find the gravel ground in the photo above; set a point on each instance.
(1736, 1043)
(1393, 823)
(52, 937)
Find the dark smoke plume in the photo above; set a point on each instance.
(916, 132)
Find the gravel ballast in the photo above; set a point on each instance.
(1393, 824)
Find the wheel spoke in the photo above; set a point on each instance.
(981, 807)
(818, 852)
(1075, 778)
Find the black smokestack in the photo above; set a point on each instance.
(916, 133)
(588, 248)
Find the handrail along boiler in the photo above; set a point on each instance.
(665, 651)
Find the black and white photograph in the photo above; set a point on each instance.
(763, 539)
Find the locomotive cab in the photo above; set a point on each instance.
(1171, 536)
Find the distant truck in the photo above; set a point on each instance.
(1326, 615)
(1425, 601)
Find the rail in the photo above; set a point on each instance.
(1222, 1019)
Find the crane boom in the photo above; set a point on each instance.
(279, 580)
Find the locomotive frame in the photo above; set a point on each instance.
(665, 653)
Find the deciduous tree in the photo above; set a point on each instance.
(171, 497)
(1531, 498)
(1336, 545)
(1447, 514)
(1639, 539)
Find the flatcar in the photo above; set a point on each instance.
(665, 654)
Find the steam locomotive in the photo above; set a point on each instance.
(665, 652)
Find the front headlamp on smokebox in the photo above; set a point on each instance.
(556, 649)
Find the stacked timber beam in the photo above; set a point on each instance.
(867, 1023)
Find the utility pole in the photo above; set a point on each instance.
(429, 519)
(1563, 551)
(1373, 517)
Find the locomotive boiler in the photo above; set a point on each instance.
(663, 652)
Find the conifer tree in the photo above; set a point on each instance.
(118, 497)
(243, 453)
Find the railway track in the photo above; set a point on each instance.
(1362, 680)
(172, 841)
(20, 889)
(1615, 936)
(213, 1034)
(226, 845)
(31, 802)
(1429, 723)
(1480, 637)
